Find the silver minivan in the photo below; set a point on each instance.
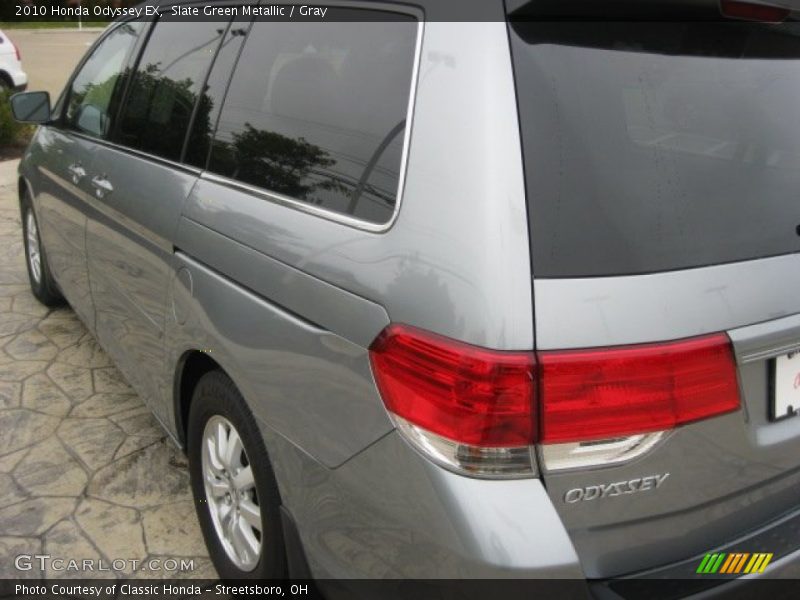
(515, 295)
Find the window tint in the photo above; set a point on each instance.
(206, 117)
(89, 107)
(316, 112)
(658, 146)
(166, 85)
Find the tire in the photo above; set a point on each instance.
(217, 404)
(43, 286)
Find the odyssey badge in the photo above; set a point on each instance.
(617, 488)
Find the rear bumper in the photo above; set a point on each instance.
(18, 78)
(387, 513)
(681, 580)
(787, 567)
(780, 580)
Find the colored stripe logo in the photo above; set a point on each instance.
(733, 563)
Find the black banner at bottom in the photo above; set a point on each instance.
(391, 589)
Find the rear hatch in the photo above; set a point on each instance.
(662, 164)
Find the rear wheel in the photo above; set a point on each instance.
(43, 285)
(235, 492)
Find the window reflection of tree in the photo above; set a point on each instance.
(297, 168)
(157, 112)
(159, 109)
(276, 162)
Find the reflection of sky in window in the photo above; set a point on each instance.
(671, 152)
(682, 113)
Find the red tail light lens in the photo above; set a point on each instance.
(475, 410)
(612, 392)
(748, 11)
(470, 395)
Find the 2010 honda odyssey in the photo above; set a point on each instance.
(511, 296)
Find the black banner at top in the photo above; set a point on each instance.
(100, 12)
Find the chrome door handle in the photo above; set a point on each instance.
(77, 172)
(102, 186)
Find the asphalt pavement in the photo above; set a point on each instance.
(49, 55)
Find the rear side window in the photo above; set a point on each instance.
(165, 87)
(89, 106)
(317, 112)
(657, 146)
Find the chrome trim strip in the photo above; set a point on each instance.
(332, 215)
(771, 353)
(766, 340)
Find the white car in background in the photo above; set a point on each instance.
(11, 74)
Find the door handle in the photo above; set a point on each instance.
(102, 186)
(77, 172)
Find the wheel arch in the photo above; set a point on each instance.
(6, 78)
(192, 365)
(23, 186)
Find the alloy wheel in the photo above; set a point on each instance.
(231, 493)
(33, 247)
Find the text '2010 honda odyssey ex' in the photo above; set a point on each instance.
(506, 296)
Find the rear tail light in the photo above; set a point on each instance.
(480, 411)
(613, 392)
(751, 11)
(469, 408)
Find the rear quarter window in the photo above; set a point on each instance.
(316, 112)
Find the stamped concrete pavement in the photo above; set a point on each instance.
(85, 471)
